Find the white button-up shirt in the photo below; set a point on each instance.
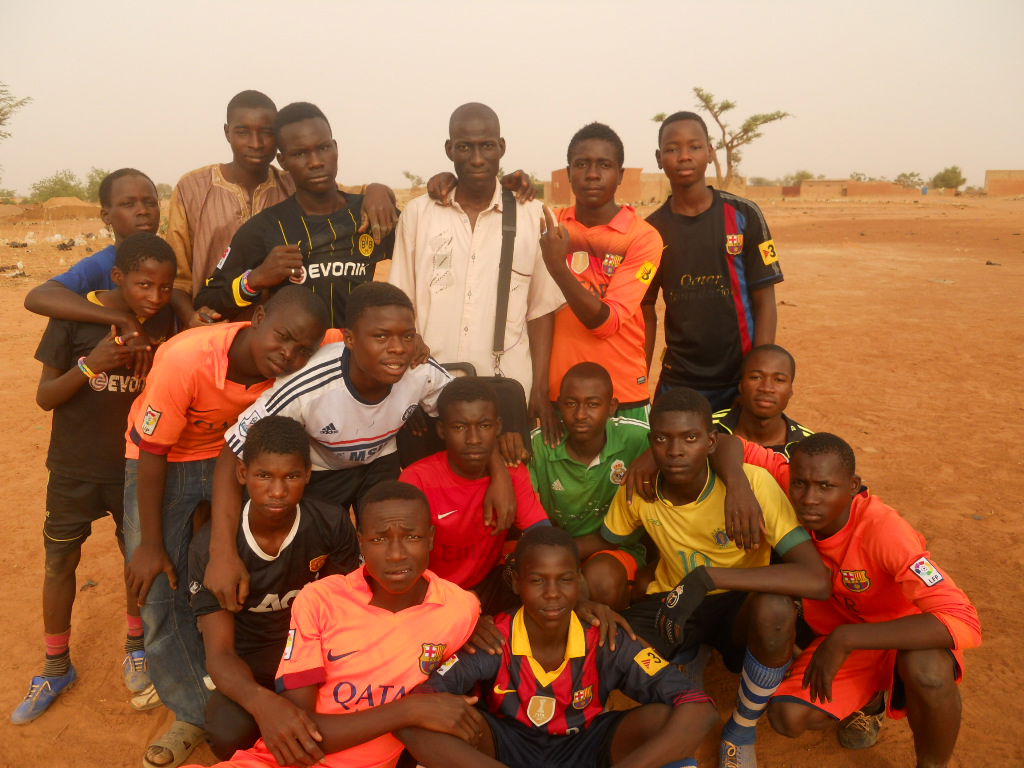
(450, 271)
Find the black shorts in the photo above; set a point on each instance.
(517, 746)
(711, 624)
(345, 486)
(71, 507)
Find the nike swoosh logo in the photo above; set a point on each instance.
(442, 517)
(500, 692)
(332, 657)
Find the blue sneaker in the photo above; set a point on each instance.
(136, 671)
(41, 694)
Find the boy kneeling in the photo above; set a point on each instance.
(545, 694)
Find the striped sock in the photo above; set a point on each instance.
(57, 645)
(757, 684)
(134, 641)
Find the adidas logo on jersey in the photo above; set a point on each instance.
(557, 485)
(330, 429)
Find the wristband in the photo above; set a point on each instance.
(86, 369)
(244, 285)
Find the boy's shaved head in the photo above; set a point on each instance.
(107, 184)
(276, 434)
(597, 131)
(292, 298)
(822, 443)
(682, 399)
(676, 117)
(141, 246)
(474, 110)
(296, 112)
(773, 348)
(590, 372)
(390, 490)
(545, 536)
(374, 294)
(250, 100)
(465, 389)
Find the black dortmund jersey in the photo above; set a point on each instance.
(712, 264)
(321, 543)
(87, 432)
(335, 257)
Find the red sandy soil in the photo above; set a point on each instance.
(909, 345)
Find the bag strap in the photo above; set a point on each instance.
(508, 241)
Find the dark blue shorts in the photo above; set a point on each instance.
(520, 747)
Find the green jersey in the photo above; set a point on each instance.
(575, 495)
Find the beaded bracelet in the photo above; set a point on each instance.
(244, 285)
(86, 369)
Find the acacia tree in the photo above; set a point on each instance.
(8, 106)
(732, 138)
(416, 181)
(948, 178)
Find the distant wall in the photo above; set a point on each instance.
(636, 187)
(879, 189)
(56, 213)
(766, 193)
(560, 190)
(1004, 183)
(823, 189)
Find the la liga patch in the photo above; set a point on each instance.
(926, 572)
(150, 420)
(289, 646)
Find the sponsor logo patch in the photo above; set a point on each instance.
(540, 710)
(300, 278)
(768, 254)
(317, 563)
(194, 587)
(926, 572)
(618, 472)
(430, 657)
(649, 661)
(366, 245)
(98, 382)
(646, 272)
(856, 581)
(734, 244)
(448, 665)
(580, 699)
(579, 261)
(289, 646)
(150, 420)
(557, 485)
(330, 429)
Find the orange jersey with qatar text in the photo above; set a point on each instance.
(881, 571)
(616, 262)
(362, 656)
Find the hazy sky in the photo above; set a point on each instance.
(877, 87)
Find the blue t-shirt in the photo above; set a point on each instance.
(91, 274)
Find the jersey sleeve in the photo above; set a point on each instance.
(267, 404)
(760, 256)
(784, 531)
(529, 511)
(437, 379)
(179, 237)
(55, 349)
(90, 274)
(630, 283)
(302, 664)
(223, 292)
(776, 463)
(901, 551)
(461, 673)
(643, 675)
(200, 598)
(170, 390)
(621, 519)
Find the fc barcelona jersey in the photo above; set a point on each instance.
(514, 686)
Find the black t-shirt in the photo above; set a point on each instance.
(711, 265)
(335, 256)
(87, 432)
(322, 543)
(727, 420)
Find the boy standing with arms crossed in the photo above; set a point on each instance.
(718, 273)
(88, 384)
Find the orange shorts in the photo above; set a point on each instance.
(627, 560)
(863, 674)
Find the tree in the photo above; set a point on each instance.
(948, 178)
(164, 191)
(659, 117)
(8, 106)
(61, 184)
(92, 184)
(910, 179)
(732, 140)
(416, 181)
(794, 179)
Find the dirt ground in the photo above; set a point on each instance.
(904, 322)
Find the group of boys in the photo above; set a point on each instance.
(289, 634)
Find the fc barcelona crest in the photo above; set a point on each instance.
(856, 581)
(610, 263)
(734, 244)
(317, 563)
(580, 699)
(540, 710)
(431, 656)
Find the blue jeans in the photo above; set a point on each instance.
(174, 649)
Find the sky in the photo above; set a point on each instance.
(879, 88)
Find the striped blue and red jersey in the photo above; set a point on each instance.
(515, 687)
(712, 264)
